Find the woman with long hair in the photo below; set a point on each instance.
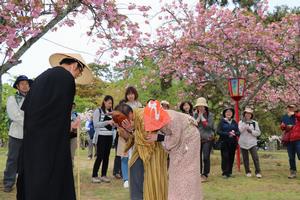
(103, 137)
(186, 107)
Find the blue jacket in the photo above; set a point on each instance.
(225, 127)
(288, 120)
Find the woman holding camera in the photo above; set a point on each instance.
(248, 141)
(103, 137)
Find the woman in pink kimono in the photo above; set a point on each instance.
(181, 139)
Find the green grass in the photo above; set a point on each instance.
(273, 186)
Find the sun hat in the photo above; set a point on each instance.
(201, 102)
(22, 78)
(164, 102)
(228, 108)
(248, 110)
(86, 76)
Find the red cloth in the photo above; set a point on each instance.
(155, 117)
(204, 123)
(295, 132)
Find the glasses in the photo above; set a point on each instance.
(80, 67)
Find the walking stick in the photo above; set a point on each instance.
(77, 161)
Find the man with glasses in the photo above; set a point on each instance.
(45, 164)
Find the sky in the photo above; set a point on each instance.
(74, 40)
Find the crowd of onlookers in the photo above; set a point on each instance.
(227, 134)
(102, 133)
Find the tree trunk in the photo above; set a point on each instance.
(1, 90)
(166, 82)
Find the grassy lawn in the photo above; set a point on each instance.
(273, 186)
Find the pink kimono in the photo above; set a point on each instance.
(182, 141)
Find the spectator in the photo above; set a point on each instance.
(205, 120)
(103, 137)
(249, 130)
(73, 133)
(89, 126)
(291, 139)
(228, 131)
(131, 99)
(15, 139)
(186, 107)
(165, 104)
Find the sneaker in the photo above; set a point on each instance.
(118, 176)
(249, 175)
(225, 176)
(105, 179)
(126, 184)
(96, 180)
(89, 158)
(292, 174)
(8, 189)
(258, 175)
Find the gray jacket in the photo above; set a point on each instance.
(206, 132)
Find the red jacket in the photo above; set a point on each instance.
(295, 132)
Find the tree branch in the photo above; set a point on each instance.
(16, 57)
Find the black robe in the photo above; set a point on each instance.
(45, 171)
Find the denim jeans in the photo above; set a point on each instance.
(124, 168)
(293, 148)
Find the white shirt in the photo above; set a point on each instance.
(16, 115)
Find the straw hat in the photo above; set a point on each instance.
(86, 76)
(201, 102)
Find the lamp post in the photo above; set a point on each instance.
(236, 88)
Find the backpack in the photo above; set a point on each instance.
(91, 129)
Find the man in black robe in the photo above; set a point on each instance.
(45, 171)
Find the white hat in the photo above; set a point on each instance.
(164, 102)
(85, 78)
(201, 102)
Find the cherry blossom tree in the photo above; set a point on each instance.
(213, 44)
(22, 23)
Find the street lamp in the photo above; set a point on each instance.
(236, 88)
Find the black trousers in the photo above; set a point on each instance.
(205, 157)
(117, 161)
(136, 180)
(228, 148)
(103, 150)
(254, 155)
